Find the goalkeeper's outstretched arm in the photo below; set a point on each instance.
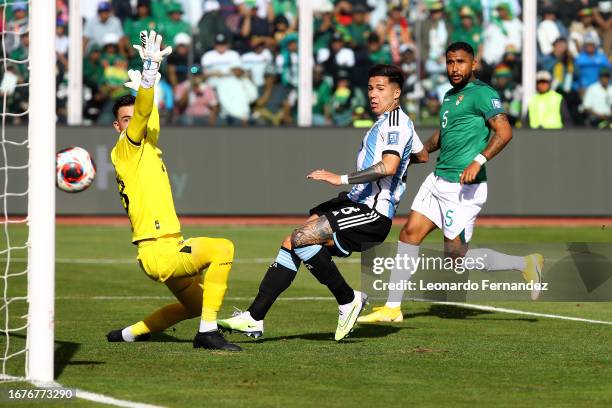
(152, 56)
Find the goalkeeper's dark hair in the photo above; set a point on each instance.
(460, 46)
(393, 72)
(125, 100)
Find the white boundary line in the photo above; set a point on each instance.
(86, 395)
(519, 312)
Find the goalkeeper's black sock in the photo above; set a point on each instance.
(277, 279)
(319, 262)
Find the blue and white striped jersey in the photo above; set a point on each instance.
(393, 133)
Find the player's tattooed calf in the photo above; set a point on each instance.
(314, 232)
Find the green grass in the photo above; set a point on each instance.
(439, 356)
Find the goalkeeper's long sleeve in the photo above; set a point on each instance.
(142, 111)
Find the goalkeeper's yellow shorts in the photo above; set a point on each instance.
(173, 256)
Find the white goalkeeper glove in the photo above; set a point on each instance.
(152, 55)
(136, 79)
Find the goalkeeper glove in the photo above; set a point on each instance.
(152, 55)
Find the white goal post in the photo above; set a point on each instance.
(41, 190)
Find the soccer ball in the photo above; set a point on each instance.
(75, 170)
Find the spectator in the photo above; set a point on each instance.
(178, 64)
(589, 63)
(159, 9)
(132, 29)
(61, 48)
(413, 89)
(93, 74)
(500, 35)
(257, 61)
(280, 28)
(379, 53)
(509, 92)
(173, 24)
(434, 39)
(598, 101)
(546, 105)
(323, 31)
(345, 100)
(210, 26)
(115, 68)
(358, 30)
(217, 62)
(288, 8)
(253, 26)
(196, 102)
(561, 65)
(549, 30)
(468, 31)
(272, 107)
(96, 28)
(236, 93)
(122, 9)
(262, 8)
(580, 30)
(456, 8)
(603, 18)
(287, 64)
(323, 86)
(15, 27)
(362, 119)
(396, 32)
(337, 57)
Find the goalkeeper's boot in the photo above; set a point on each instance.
(214, 340)
(533, 272)
(242, 322)
(383, 314)
(115, 336)
(348, 318)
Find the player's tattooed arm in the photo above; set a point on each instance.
(373, 173)
(503, 134)
(433, 143)
(314, 232)
(386, 167)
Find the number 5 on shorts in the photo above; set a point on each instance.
(448, 218)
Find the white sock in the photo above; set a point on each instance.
(347, 307)
(206, 326)
(127, 334)
(407, 254)
(496, 261)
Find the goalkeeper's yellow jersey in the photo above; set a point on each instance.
(144, 185)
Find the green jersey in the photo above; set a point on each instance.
(464, 132)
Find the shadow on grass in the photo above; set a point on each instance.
(64, 351)
(456, 312)
(360, 332)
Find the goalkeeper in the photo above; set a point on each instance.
(144, 188)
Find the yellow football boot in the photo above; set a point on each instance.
(533, 272)
(383, 314)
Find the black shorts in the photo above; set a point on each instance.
(356, 226)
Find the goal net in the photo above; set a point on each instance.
(27, 200)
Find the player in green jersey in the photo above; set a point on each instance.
(473, 130)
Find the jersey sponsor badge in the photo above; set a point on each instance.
(459, 99)
(496, 103)
(393, 138)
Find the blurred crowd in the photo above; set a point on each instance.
(235, 62)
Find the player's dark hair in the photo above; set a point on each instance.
(460, 46)
(126, 100)
(393, 72)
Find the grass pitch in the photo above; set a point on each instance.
(439, 356)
